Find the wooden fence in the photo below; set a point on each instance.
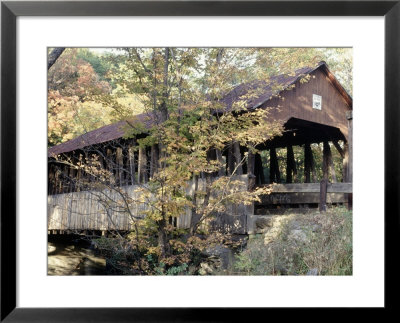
(308, 193)
(104, 210)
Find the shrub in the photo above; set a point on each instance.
(314, 241)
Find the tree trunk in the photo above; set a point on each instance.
(164, 108)
(194, 216)
(53, 56)
(162, 238)
(238, 158)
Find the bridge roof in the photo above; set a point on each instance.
(250, 95)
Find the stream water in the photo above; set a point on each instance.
(72, 255)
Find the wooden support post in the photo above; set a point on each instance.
(322, 195)
(258, 169)
(250, 170)
(325, 160)
(221, 171)
(308, 160)
(72, 176)
(120, 167)
(65, 181)
(78, 175)
(110, 166)
(291, 170)
(50, 188)
(346, 163)
(238, 158)
(230, 160)
(274, 173)
(349, 116)
(338, 148)
(142, 171)
(328, 163)
(332, 167)
(154, 160)
(132, 166)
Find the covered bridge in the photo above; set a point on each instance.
(310, 103)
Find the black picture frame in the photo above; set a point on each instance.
(10, 10)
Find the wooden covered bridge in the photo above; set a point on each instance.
(316, 111)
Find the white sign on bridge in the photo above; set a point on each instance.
(317, 102)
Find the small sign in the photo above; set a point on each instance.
(316, 101)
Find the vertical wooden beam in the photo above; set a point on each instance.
(221, 171)
(322, 195)
(65, 182)
(132, 166)
(110, 166)
(328, 163)
(238, 158)
(346, 163)
(120, 167)
(230, 159)
(325, 160)
(250, 170)
(332, 167)
(338, 148)
(72, 179)
(291, 169)
(349, 116)
(258, 169)
(307, 162)
(274, 173)
(142, 164)
(154, 158)
(50, 183)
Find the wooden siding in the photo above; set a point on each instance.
(298, 101)
(84, 210)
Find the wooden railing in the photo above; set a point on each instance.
(303, 193)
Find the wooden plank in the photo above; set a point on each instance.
(311, 188)
(299, 198)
